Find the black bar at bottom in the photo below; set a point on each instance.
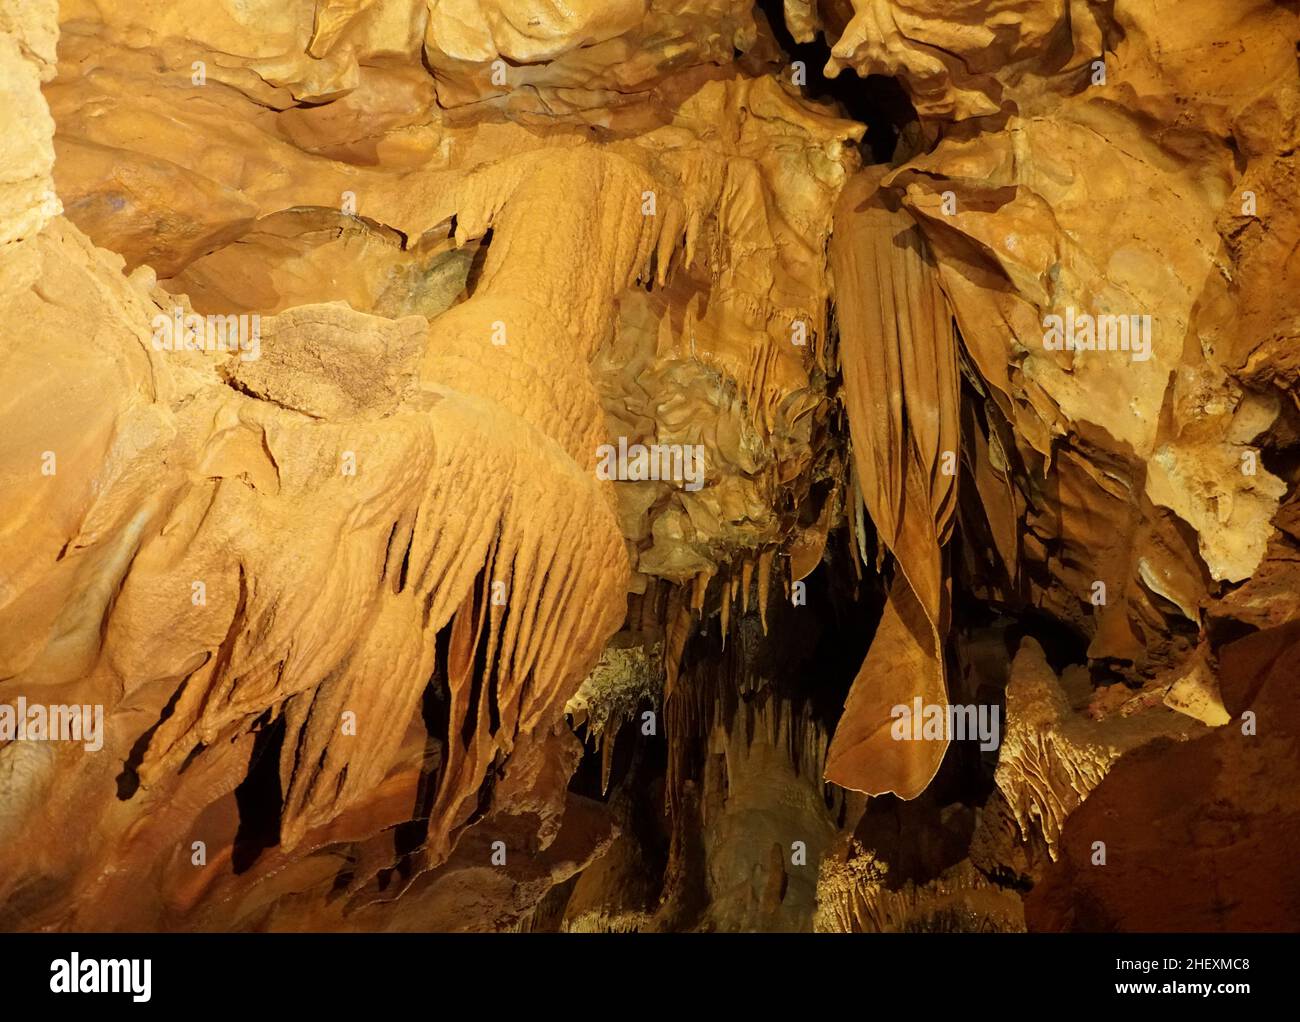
(674, 972)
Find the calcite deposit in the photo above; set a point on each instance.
(649, 465)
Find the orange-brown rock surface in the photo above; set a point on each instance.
(492, 464)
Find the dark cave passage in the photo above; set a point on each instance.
(878, 101)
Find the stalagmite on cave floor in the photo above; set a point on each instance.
(649, 465)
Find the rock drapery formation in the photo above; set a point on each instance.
(488, 464)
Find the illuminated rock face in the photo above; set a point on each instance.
(505, 465)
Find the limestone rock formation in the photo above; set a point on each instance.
(648, 464)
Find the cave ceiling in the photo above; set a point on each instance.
(649, 465)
